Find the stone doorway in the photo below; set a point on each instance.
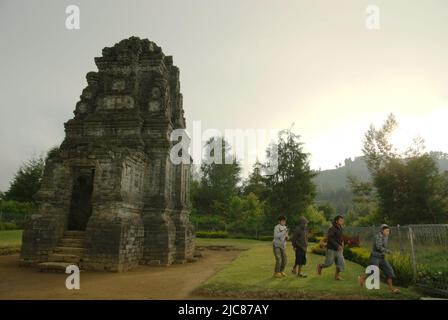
(80, 205)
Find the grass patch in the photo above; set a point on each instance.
(10, 241)
(237, 243)
(10, 238)
(250, 276)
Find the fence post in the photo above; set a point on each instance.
(399, 238)
(414, 264)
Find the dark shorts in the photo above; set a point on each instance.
(300, 257)
(384, 266)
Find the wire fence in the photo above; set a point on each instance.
(424, 246)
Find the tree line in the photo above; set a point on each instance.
(406, 187)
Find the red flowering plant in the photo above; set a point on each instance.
(352, 241)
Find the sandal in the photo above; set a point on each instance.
(361, 281)
(319, 269)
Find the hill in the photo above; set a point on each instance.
(331, 185)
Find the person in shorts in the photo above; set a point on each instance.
(300, 245)
(335, 248)
(378, 258)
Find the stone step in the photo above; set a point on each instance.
(69, 250)
(59, 257)
(74, 234)
(71, 242)
(53, 266)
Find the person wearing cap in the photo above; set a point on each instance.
(300, 244)
(378, 258)
(335, 248)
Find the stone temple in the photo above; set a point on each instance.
(110, 197)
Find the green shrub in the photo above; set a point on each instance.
(319, 234)
(320, 247)
(358, 255)
(15, 211)
(206, 222)
(315, 238)
(402, 265)
(212, 234)
(266, 238)
(8, 226)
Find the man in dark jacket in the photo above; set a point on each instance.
(300, 245)
(335, 248)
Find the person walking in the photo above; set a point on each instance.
(335, 248)
(300, 245)
(378, 258)
(279, 246)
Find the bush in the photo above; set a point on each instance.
(8, 226)
(319, 234)
(402, 265)
(358, 255)
(16, 212)
(212, 234)
(315, 238)
(266, 238)
(207, 222)
(315, 217)
(320, 248)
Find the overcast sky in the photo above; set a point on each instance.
(244, 64)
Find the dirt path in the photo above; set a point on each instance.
(174, 282)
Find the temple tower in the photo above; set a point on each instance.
(111, 190)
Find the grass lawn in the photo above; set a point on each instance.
(237, 243)
(10, 238)
(10, 241)
(250, 275)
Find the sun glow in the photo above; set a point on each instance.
(432, 128)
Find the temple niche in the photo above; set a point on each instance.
(110, 198)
